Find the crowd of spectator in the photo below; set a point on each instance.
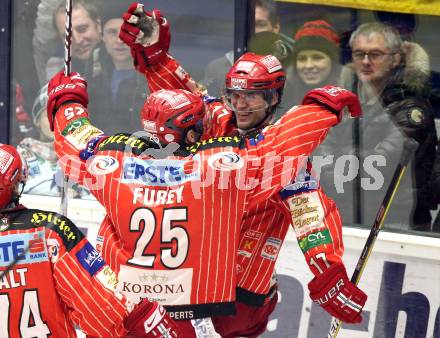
(392, 77)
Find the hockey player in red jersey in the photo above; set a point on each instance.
(166, 211)
(52, 278)
(264, 226)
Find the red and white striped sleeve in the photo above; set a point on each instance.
(169, 74)
(87, 286)
(283, 148)
(72, 131)
(316, 221)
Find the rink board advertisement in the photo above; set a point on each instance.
(403, 292)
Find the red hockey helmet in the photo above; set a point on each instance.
(256, 72)
(169, 113)
(12, 171)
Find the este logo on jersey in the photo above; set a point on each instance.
(23, 248)
(160, 172)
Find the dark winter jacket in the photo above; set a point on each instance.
(402, 111)
(120, 114)
(436, 176)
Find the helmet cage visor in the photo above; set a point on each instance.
(239, 100)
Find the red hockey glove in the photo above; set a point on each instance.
(337, 295)
(150, 320)
(335, 98)
(62, 89)
(147, 34)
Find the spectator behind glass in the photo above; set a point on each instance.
(44, 172)
(315, 59)
(86, 34)
(266, 19)
(112, 80)
(392, 81)
(280, 46)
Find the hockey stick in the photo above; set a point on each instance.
(409, 148)
(67, 70)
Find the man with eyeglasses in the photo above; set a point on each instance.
(376, 53)
(391, 78)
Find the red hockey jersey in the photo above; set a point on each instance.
(174, 221)
(303, 204)
(52, 279)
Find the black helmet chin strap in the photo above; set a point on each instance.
(16, 195)
(268, 97)
(267, 119)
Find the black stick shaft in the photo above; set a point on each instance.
(68, 39)
(67, 71)
(409, 148)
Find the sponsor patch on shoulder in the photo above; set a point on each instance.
(271, 248)
(249, 243)
(68, 232)
(304, 182)
(307, 212)
(75, 125)
(314, 239)
(102, 165)
(99, 243)
(53, 247)
(79, 137)
(107, 277)
(181, 73)
(226, 161)
(90, 259)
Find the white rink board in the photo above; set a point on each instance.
(402, 281)
(402, 273)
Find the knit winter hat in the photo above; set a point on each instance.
(317, 35)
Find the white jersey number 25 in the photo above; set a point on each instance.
(169, 232)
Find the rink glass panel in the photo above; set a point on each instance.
(352, 177)
(200, 32)
(203, 31)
